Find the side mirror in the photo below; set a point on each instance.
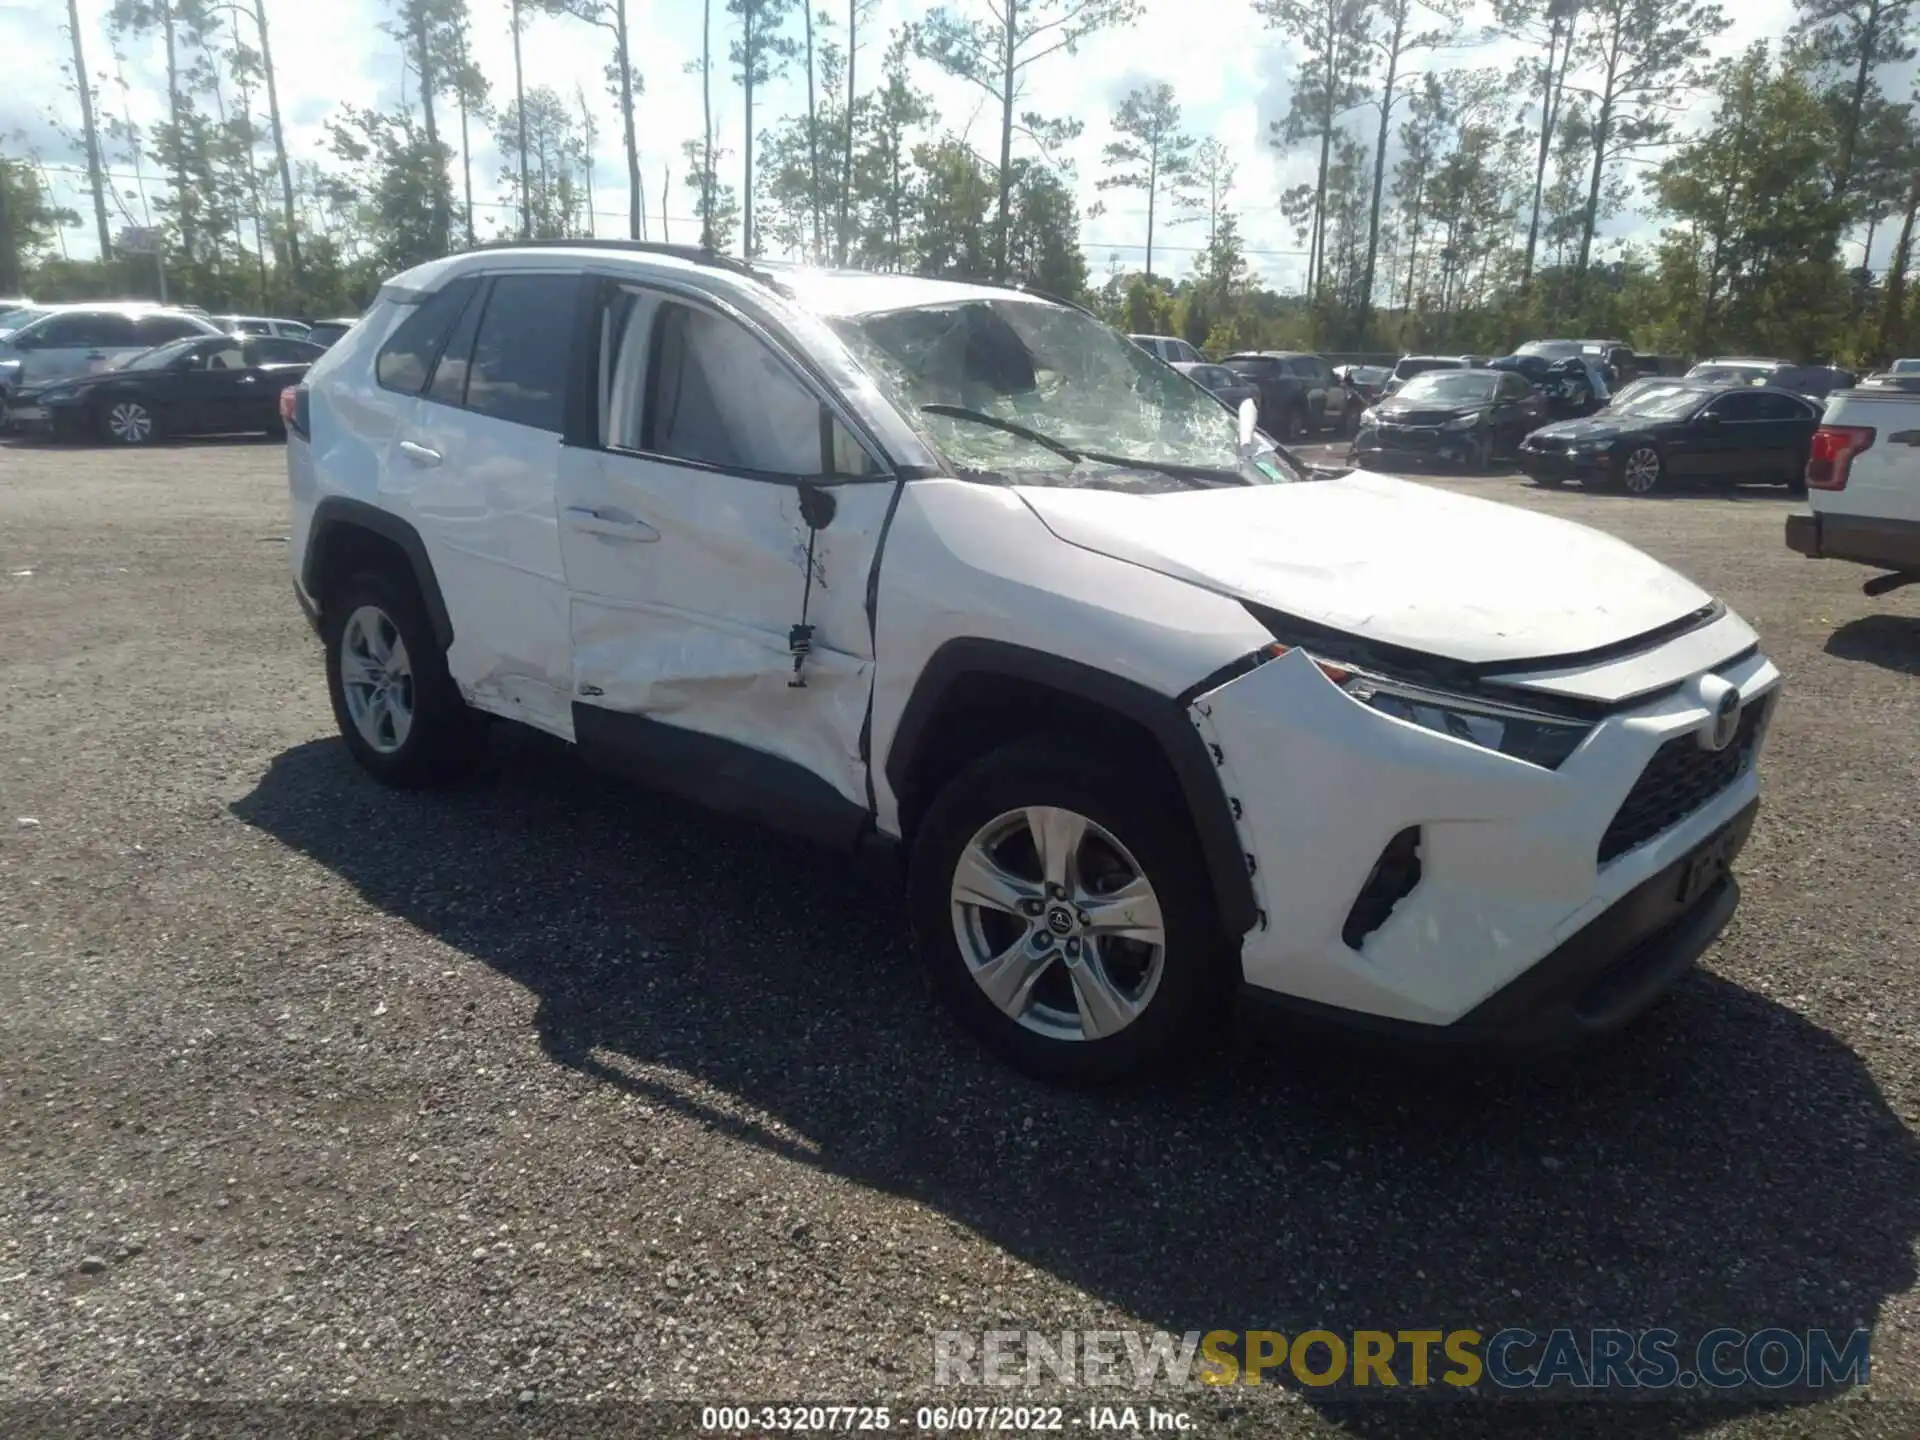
(1707, 421)
(1249, 419)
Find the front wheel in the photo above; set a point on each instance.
(1062, 919)
(1641, 470)
(129, 422)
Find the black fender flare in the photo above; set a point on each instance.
(1163, 717)
(339, 513)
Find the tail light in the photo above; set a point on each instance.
(293, 409)
(1831, 455)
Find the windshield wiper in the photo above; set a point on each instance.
(1012, 427)
(1200, 474)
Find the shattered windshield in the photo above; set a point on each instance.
(1045, 394)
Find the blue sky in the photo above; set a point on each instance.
(1231, 74)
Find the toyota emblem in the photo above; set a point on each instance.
(1725, 724)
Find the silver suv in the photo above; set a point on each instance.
(73, 340)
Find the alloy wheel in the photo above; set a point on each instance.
(1058, 923)
(376, 677)
(1641, 472)
(130, 422)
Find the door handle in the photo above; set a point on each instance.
(419, 454)
(249, 379)
(614, 524)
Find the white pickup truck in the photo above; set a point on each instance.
(1863, 484)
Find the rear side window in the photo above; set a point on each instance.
(271, 350)
(159, 329)
(407, 358)
(449, 383)
(1738, 406)
(522, 351)
(86, 332)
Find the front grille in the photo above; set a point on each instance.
(1679, 779)
(1546, 444)
(1390, 881)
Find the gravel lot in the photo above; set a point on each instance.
(541, 1089)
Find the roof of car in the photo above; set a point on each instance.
(825, 292)
(118, 307)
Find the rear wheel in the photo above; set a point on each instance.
(398, 709)
(1062, 919)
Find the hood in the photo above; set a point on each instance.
(1390, 561)
(1593, 427)
(1402, 411)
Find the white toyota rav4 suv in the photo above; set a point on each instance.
(958, 574)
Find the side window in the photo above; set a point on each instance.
(1782, 407)
(407, 357)
(159, 329)
(1740, 405)
(227, 357)
(274, 351)
(522, 351)
(449, 382)
(1512, 387)
(716, 395)
(1187, 352)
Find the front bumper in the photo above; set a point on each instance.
(1864, 539)
(1600, 978)
(1415, 444)
(1565, 464)
(1510, 871)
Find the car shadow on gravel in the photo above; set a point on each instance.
(1890, 641)
(1725, 1163)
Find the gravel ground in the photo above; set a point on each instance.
(541, 1089)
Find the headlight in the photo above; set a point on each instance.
(1530, 735)
(1462, 422)
(1535, 736)
(47, 397)
(1368, 419)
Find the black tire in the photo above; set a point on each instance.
(1196, 969)
(444, 735)
(1480, 458)
(1550, 482)
(1295, 423)
(128, 422)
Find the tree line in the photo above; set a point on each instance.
(1452, 204)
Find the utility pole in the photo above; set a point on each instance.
(84, 89)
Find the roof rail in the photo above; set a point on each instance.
(695, 254)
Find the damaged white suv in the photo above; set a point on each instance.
(957, 573)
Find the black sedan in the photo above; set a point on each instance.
(1466, 418)
(203, 385)
(1671, 432)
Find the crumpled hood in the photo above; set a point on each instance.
(1389, 560)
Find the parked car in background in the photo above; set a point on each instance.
(1615, 357)
(1468, 418)
(13, 305)
(1903, 367)
(1155, 716)
(262, 325)
(1230, 387)
(1816, 381)
(325, 332)
(1368, 381)
(1298, 393)
(1408, 366)
(202, 385)
(1863, 486)
(1169, 348)
(77, 339)
(1679, 431)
